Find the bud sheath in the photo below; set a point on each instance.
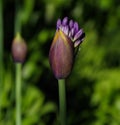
(61, 55)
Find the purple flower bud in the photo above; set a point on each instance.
(72, 32)
(65, 20)
(19, 49)
(58, 23)
(61, 55)
(76, 27)
(71, 23)
(76, 43)
(78, 34)
(66, 30)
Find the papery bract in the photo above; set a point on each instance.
(61, 55)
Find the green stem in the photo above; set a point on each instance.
(1, 52)
(18, 93)
(18, 65)
(62, 101)
(17, 17)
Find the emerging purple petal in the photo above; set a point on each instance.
(66, 30)
(71, 33)
(65, 20)
(71, 23)
(78, 34)
(76, 27)
(77, 43)
(58, 23)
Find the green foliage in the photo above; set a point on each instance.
(34, 106)
(93, 87)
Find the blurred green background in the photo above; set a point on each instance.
(93, 88)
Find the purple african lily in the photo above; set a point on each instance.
(61, 56)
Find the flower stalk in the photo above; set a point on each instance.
(62, 101)
(18, 92)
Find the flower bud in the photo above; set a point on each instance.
(19, 49)
(61, 55)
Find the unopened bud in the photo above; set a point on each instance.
(19, 49)
(61, 55)
(68, 36)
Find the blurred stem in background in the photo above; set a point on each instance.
(1, 52)
(18, 93)
(62, 101)
(17, 17)
(18, 65)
